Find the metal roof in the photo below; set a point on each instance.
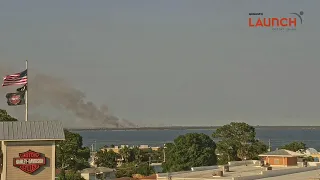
(282, 152)
(310, 151)
(31, 130)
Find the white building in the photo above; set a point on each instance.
(99, 172)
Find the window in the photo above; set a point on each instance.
(276, 161)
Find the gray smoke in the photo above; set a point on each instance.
(44, 89)
(61, 95)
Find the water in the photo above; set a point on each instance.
(277, 137)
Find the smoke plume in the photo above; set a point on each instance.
(59, 94)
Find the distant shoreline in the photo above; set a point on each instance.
(189, 128)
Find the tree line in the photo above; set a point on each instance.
(232, 142)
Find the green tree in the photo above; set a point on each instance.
(257, 148)
(309, 159)
(237, 141)
(295, 146)
(189, 150)
(222, 160)
(137, 154)
(126, 154)
(157, 155)
(146, 154)
(131, 168)
(4, 116)
(106, 158)
(144, 169)
(126, 170)
(227, 151)
(70, 176)
(240, 133)
(70, 154)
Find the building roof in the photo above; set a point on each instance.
(282, 153)
(31, 130)
(97, 170)
(250, 171)
(314, 174)
(310, 151)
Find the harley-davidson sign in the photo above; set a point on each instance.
(29, 161)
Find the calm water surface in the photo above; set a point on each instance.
(277, 137)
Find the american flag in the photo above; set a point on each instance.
(16, 79)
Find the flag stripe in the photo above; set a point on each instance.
(19, 81)
(17, 75)
(11, 77)
(16, 79)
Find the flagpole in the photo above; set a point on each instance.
(26, 92)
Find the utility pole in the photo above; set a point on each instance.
(92, 147)
(164, 153)
(269, 149)
(26, 93)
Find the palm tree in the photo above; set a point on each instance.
(125, 153)
(137, 154)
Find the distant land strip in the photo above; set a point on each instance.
(188, 128)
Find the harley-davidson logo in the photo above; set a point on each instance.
(15, 99)
(29, 161)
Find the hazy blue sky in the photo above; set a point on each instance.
(178, 62)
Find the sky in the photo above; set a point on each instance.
(164, 62)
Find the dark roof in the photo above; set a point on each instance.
(31, 130)
(282, 152)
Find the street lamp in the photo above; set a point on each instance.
(164, 160)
